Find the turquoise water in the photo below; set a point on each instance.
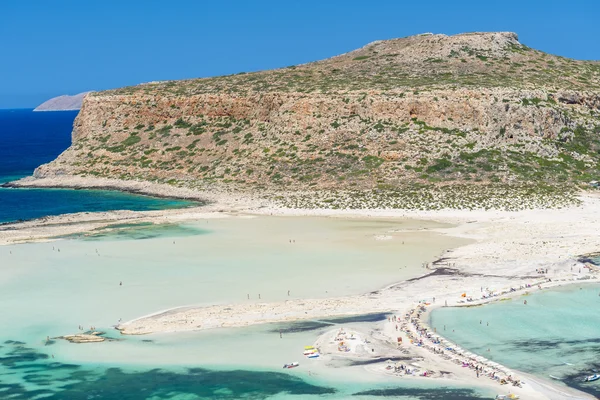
(48, 289)
(139, 231)
(23, 204)
(557, 333)
(28, 374)
(29, 139)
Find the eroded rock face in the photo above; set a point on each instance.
(430, 108)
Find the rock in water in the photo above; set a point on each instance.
(84, 337)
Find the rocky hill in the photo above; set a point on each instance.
(62, 103)
(428, 120)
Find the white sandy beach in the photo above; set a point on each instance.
(507, 249)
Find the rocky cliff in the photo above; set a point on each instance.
(62, 103)
(428, 111)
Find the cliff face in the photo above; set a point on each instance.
(430, 109)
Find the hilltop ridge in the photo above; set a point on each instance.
(465, 120)
(479, 59)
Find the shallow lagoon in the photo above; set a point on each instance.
(557, 334)
(228, 364)
(48, 289)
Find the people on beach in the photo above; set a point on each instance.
(412, 326)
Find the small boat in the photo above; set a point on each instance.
(291, 365)
(313, 355)
(309, 352)
(507, 396)
(592, 378)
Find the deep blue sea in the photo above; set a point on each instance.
(29, 139)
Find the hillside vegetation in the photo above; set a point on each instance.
(471, 120)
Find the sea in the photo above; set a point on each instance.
(555, 336)
(124, 271)
(29, 139)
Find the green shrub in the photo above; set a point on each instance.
(197, 129)
(372, 162)
(131, 140)
(440, 164)
(181, 123)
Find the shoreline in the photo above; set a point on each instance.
(507, 247)
(133, 187)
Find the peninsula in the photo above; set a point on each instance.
(474, 120)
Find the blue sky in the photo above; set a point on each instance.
(58, 47)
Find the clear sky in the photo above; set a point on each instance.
(48, 48)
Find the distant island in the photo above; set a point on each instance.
(62, 103)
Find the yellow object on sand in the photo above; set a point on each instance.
(308, 347)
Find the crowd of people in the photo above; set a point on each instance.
(420, 335)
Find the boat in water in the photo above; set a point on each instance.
(291, 365)
(592, 378)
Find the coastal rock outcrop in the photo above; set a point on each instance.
(429, 110)
(93, 337)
